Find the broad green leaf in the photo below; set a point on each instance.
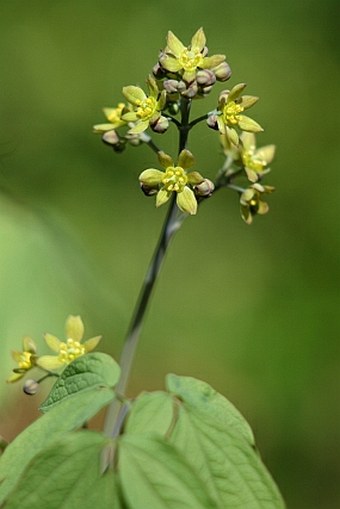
(151, 412)
(154, 475)
(67, 476)
(68, 416)
(217, 442)
(84, 373)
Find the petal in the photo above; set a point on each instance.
(162, 197)
(252, 175)
(213, 61)
(29, 345)
(131, 116)
(198, 40)
(170, 63)
(236, 91)
(14, 377)
(102, 128)
(16, 356)
(248, 100)
(91, 344)
(74, 328)
(134, 94)
(220, 124)
(165, 159)
(174, 44)
(189, 76)
(139, 127)
(195, 178)
(185, 159)
(246, 214)
(266, 153)
(53, 342)
(248, 124)
(49, 362)
(152, 85)
(162, 100)
(263, 208)
(248, 140)
(186, 201)
(151, 177)
(232, 135)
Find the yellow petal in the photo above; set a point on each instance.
(248, 100)
(134, 94)
(151, 177)
(236, 91)
(185, 159)
(53, 342)
(16, 356)
(198, 40)
(263, 208)
(186, 201)
(248, 124)
(266, 153)
(74, 328)
(170, 63)
(213, 61)
(174, 44)
(91, 344)
(165, 159)
(29, 345)
(162, 197)
(248, 140)
(49, 362)
(102, 128)
(139, 127)
(14, 377)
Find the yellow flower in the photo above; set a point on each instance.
(173, 179)
(69, 349)
(231, 107)
(114, 116)
(255, 160)
(251, 202)
(25, 360)
(147, 108)
(187, 61)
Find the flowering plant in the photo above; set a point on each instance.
(185, 447)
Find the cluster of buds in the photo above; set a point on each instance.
(65, 352)
(181, 74)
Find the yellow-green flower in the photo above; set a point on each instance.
(251, 202)
(174, 179)
(147, 108)
(26, 359)
(231, 106)
(114, 116)
(187, 61)
(255, 160)
(69, 349)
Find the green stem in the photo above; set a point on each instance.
(173, 221)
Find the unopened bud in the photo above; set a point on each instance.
(111, 138)
(206, 77)
(161, 125)
(31, 387)
(148, 190)
(171, 86)
(191, 91)
(207, 90)
(212, 121)
(133, 139)
(173, 108)
(205, 188)
(222, 71)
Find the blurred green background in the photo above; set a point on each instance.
(254, 311)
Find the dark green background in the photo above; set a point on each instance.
(252, 310)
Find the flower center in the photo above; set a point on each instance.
(70, 350)
(175, 179)
(146, 108)
(190, 60)
(25, 360)
(116, 113)
(252, 162)
(231, 113)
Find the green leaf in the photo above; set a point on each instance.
(84, 373)
(67, 416)
(66, 476)
(150, 412)
(154, 475)
(219, 445)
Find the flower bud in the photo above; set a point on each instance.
(205, 77)
(133, 139)
(207, 90)
(212, 121)
(191, 90)
(148, 190)
(111, 138)
(158, 71)
(31, 387)
(173, 108)
(205, 188)
(222, 71)
(171, 86)
(161, 125)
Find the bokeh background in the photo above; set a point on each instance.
(254, 311)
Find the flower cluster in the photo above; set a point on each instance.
(66, 351)
(181, 74)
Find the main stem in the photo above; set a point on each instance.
(117, 411)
